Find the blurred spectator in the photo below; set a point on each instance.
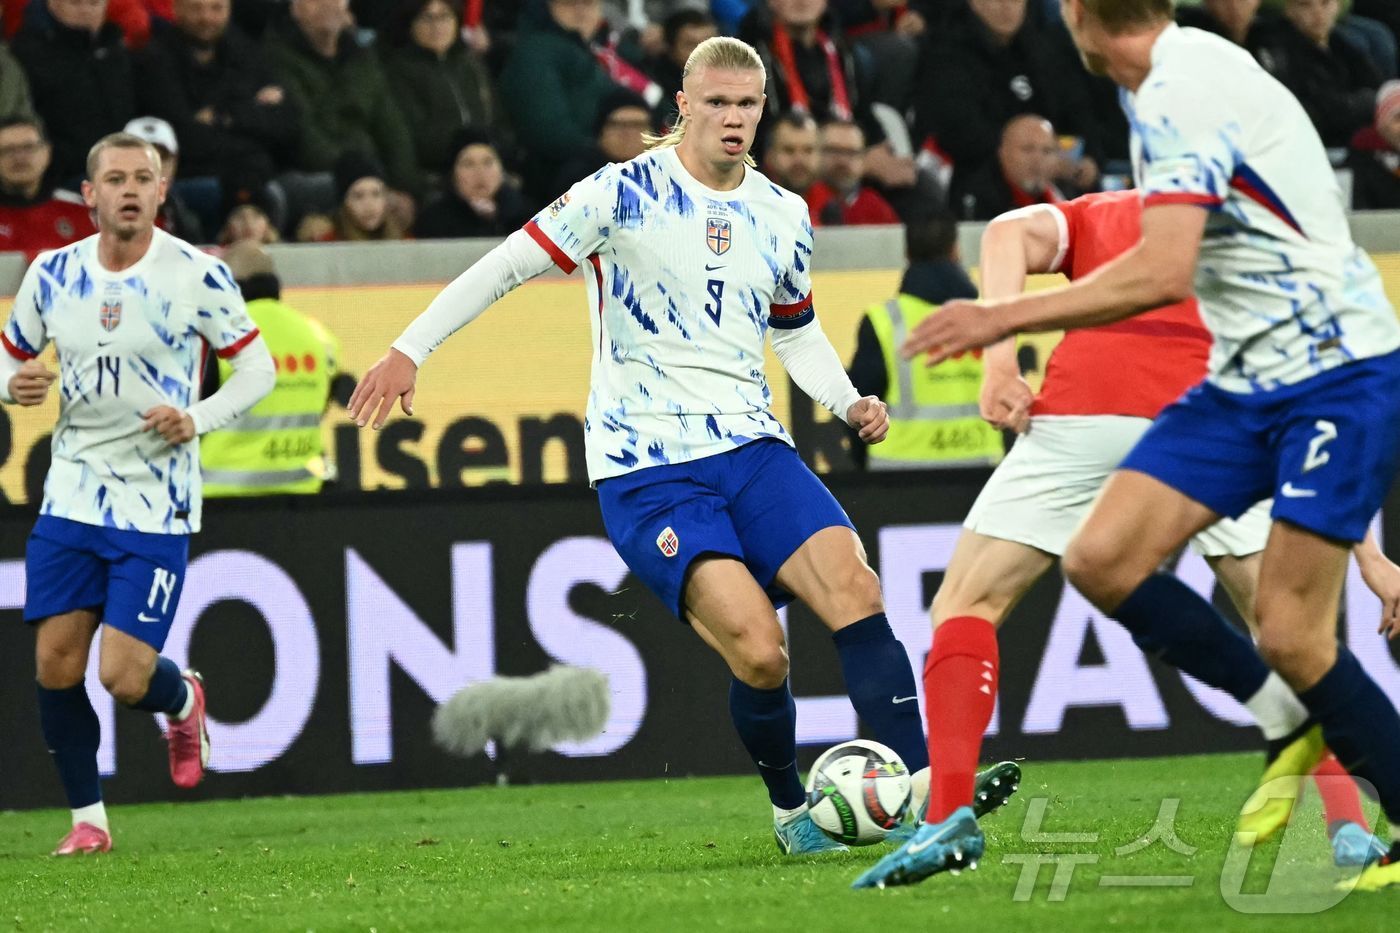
(34, 216)
(681, 33)
(812, 69)
(80, 78)
(479, 201)
(363, 205)
(1236, 20)
(341, 92)
(1019, 177)
(557, 86)
(839, 198)
(989, 65)
(212, 83)
(248, 222)
(135, 18)
(729, 14)
(440, 84)
(175, 217)
(1386, 12)
(277, 447)
(1333, 79)
(1375, 155)
(14, 87)
(792, 159)
(890, 32)
(929, 421)
(623, 119)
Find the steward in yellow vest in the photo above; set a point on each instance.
(934, 420)
(275, 447)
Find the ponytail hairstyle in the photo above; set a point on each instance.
(722, 52)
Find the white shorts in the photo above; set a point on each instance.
(1043, 489)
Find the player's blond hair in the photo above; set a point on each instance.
(1127, 15)
(721, 52)
(119, 141)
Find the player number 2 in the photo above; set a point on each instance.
(716, 305)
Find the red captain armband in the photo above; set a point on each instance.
(233, 349)
(1208, 201)
(790, 317)
(23, 356)
(565, 264)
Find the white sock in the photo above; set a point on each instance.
(94, 813)
(188, 707)
(1276, 708)
(782, 816)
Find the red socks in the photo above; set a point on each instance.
(960, 691)
(1340, 798)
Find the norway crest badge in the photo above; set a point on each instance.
(717, 235)
(110, 315)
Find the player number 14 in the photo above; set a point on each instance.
(716, 303)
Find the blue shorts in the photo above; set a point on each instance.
(131, 579)
(757, 503)
(1325, 449)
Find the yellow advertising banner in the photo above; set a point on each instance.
(503, 400)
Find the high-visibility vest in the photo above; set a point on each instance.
(934, 420)
(276, 446)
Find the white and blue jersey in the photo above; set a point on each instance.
(127, 341)
(683, 283)
(1282, 287)
(1302, 404)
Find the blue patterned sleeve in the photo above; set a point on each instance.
(1189, 146)
(579, 221)
(792, 298)
(222, 316)
(25, 334)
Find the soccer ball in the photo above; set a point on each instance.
(858, 791)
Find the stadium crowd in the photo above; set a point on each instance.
(383, 119)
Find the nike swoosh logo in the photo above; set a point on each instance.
(710, 268)
(104, 343)
(916, 849)
(903, 699)
(1292, 492)
(142, 617)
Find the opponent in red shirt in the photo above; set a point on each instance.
(34, 218)
(1103, 387)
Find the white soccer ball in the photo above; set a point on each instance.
(858, 791)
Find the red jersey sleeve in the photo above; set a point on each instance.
(1068, 217)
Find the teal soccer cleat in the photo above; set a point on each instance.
(800, 836)
(993, 789)
(1353, 845)
(952, 845)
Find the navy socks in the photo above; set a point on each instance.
(767, 724)
(167, 691)
(880, 683)
(1360, 726)
(1171, 621)
(71, 732)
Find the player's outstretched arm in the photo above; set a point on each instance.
(25, 383)
(393, 379)
(1382, 576)
(1158, 271)
(1025, 241)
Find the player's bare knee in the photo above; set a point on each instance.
(126, 684)
(59, 667)
(1089, 564)
(763, 667)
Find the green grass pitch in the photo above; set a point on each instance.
(688, 854)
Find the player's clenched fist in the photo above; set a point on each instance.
(30, 386)
(170, 423)
(393, 377)
(871, 418)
